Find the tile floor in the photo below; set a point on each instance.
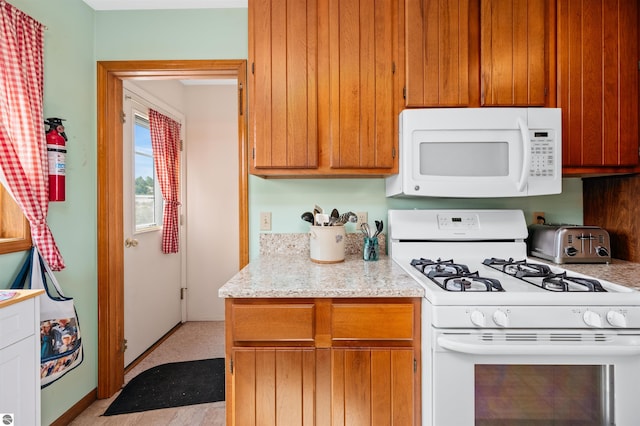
(192, 341)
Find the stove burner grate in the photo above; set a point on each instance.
(465, 282)
(563, 282)
(455, 276)
(528, 272)
(518, 268)
(426, 265)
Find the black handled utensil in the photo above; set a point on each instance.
(379, 227)
(307, 217)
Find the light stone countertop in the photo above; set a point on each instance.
(285, 270)
(287, 276)
(283, 276)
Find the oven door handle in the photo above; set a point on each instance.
(526, 154)
(459, 346)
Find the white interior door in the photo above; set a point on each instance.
(153, 281)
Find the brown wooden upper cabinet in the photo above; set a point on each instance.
(322, 87)
(462, 53)
(598, 85)
(438, 52)
(514, 60)
(283, 84)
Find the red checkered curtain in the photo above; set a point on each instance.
(165, 141)
(23, 147)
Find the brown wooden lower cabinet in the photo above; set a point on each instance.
(340, 379)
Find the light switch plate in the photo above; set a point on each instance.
(265, 221)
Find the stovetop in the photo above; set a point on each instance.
(457, 277)
(478, 262)
(467, 281)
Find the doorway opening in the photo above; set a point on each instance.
(110, 75)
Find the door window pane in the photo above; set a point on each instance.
(148, 200)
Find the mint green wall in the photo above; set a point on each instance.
(76, 38)
(286, 199)
(171, 34)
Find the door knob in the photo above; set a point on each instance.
(130, 242)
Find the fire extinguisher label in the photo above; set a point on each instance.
(57, 158)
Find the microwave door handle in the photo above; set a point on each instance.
(526, 158)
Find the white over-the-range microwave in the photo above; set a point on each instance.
(478, 153)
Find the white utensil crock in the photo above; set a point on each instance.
(326, 244)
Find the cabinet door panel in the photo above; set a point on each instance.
(283, 84)
(513, 53)
(359, 400)
(19, 366)
(361, 128)
(437, 52)
(16, 322)
(274, 387)
(598, 83)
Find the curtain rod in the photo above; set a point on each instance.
(5, 3)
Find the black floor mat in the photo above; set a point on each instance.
(172, 385)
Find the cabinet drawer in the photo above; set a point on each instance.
(371, 321)
(17, 322)
(285, 322)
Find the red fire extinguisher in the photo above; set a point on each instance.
(56, 153)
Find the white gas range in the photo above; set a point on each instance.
(503, 333)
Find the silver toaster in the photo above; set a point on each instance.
(569, 243)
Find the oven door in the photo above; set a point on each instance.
(532, 377)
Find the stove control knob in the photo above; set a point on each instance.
(477, 318)
(616, 319)
(501, 319)
(592, 319)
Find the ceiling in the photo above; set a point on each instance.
(164, 4)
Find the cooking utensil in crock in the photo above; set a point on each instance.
(307, 217)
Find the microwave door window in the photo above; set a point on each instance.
(464, 159)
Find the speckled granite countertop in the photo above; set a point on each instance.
(618, 271)
(282, 271)
(282, 276)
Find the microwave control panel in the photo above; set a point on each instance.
(542, 154)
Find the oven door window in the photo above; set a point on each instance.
(560, 395)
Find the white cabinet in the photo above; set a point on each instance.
(20, 358)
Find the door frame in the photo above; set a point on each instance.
(109, 186)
